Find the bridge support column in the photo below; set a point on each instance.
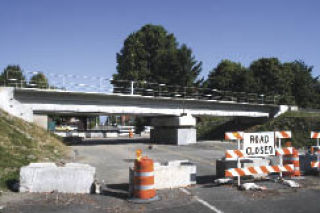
(174, 130)
(41, 120)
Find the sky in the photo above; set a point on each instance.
(82, 37)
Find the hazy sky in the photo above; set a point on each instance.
(83, 36)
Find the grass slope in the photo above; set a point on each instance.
(21, 143)
(213, 128)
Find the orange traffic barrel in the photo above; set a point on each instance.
(144, 179)
(130, 133)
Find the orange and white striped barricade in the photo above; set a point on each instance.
(315, 164)
(315, 149)
(282, 135)
(292, 158)
(258, 170)
(235, 154)
(315, 135)
(278, 136)
(237, 135)
(284, 151)
(296, 162)
(285, 155)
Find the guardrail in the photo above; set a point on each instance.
(142, 88)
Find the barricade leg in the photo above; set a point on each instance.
(296, 163)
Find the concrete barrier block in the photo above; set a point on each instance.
(96, 135)
(82, 135)
(174, 174)
(48, 177)
(111, 135)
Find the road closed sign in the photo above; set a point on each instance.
(258, 144)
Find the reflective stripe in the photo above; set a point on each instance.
(143, 187)
(315, 135)
(233, 135)
(143, 174)
(283, 134)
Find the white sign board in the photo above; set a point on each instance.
(258, 144)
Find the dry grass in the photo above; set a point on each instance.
(21, 143)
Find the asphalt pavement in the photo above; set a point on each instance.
(112, 159)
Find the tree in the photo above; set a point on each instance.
(152, 54)
(39, 81)
(228, 75)
(291, 82)
(303, 84)
(12, 75)
(270, 76)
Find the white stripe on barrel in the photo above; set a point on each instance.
(145, 174)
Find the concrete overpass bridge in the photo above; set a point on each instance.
(34, 105)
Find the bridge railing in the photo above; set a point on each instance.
(143, 88)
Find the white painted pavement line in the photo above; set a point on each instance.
(205, 203)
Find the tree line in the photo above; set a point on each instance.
(13, 75)
(152, 54)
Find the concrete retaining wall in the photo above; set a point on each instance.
(48, 177)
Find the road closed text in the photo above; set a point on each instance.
(259, 144)
(262, 150)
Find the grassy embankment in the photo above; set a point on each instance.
(300, 123)
(213, 128)
(21, 143)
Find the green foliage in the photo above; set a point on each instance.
(39, 80)
(140, 123)
(290, 82)
(12, 75)
(153, 55)
(303, 85)
(214, 128)
(228, 75)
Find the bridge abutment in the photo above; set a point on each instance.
(177, 130)
(41, 120)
